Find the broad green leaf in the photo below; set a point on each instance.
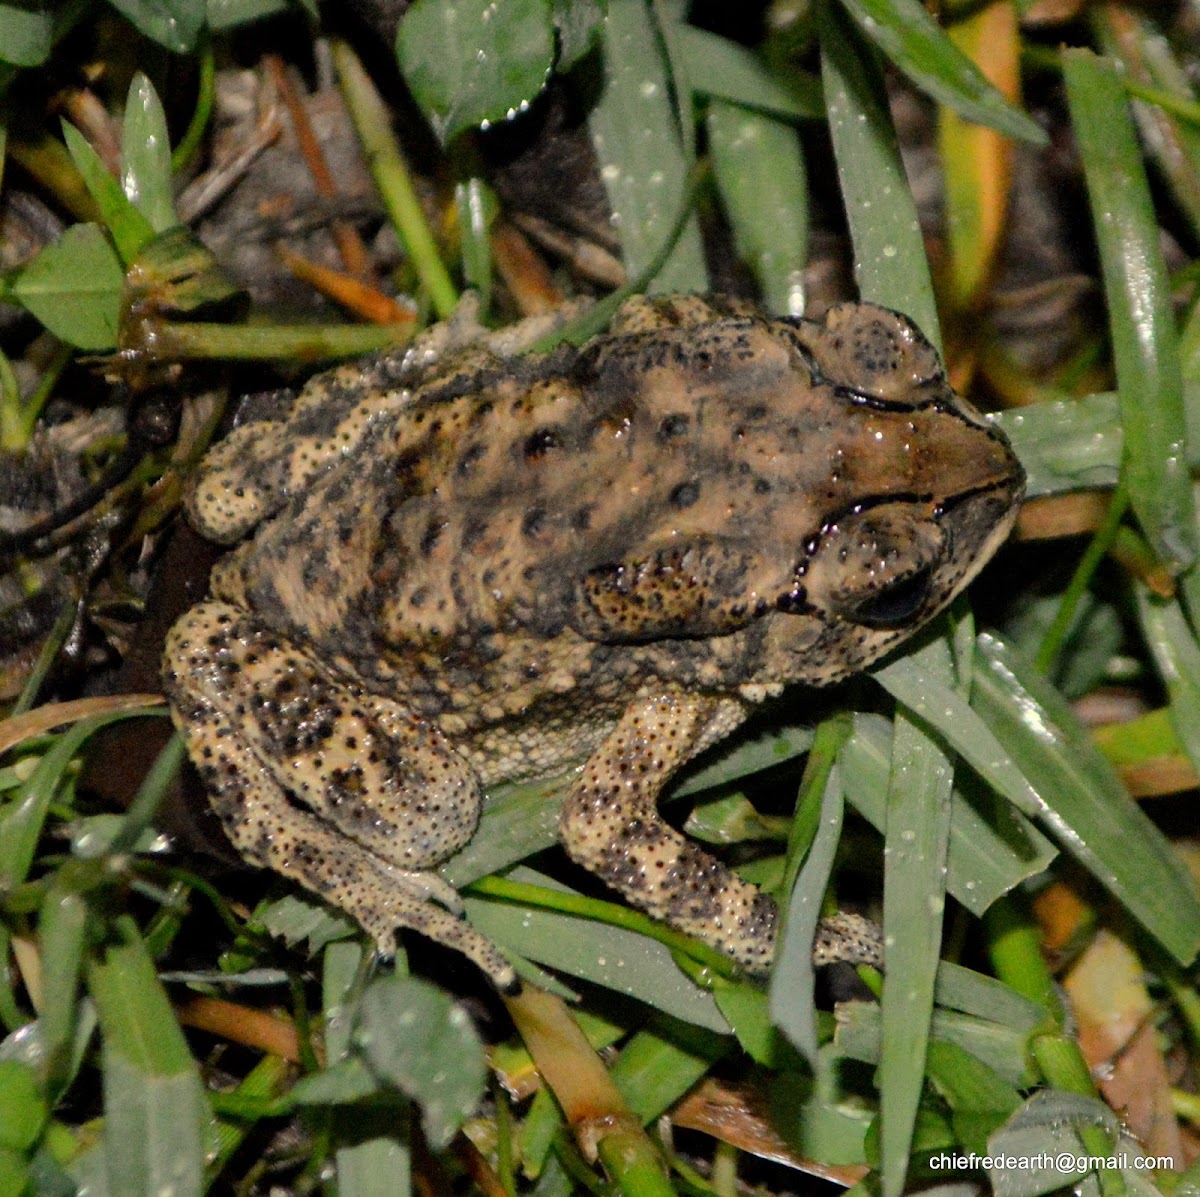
(579, 24)
(174, 24)
(760, 173)
(643, 160)
(1145, 344)
(474, 62)
(721, 68)
(1043, 1138)
(421, 1041)
(1084, 806)
(154, 1103)
(227, 14)
(911, 40)
(74, 288)
(342, 1083)
(26, 34)
(146, 156)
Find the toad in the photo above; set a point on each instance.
(461, 564)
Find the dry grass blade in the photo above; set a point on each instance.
(56, 714)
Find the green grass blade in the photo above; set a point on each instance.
(925, 691)
(1070, 444)
(130, 230)
(1147, 58)
(911, 40)
(914, 881)
(759, 169)
(981, 996)
(154, 1104)
(891, 268)
(1003, 1049)
(889, 259)
(603, 954)
(368, 1165)
(1085, 807)
(993, 847)
(21, 824)
(61, 928)
(792, 977)
(1173, 646)
(653, 1071)
(642, 160)
(1145, 342)
(723, 69)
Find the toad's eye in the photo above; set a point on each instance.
(896, 603)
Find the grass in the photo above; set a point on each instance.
(167, 1028)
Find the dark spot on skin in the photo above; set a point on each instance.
(534, 522)
(539, 443)
(762, 486)
(581, 521)
(673, 426)
(793, 602)
(433, 533)
(473, 533)
(419, 597)
(470, 458)
(684, 495)
(757, 412)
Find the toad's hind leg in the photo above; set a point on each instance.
(351, 797)
(610, 825)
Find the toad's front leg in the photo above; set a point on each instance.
(610, 825)
(338, 789)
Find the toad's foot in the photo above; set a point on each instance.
(611, 826)
(350, 796)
